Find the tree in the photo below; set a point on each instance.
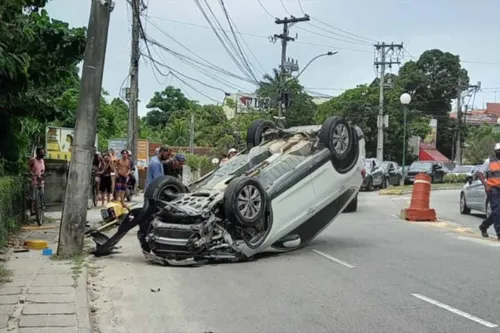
(300, 109)
(480, 143)
(38, 58)
(433, 81)
(164, 104)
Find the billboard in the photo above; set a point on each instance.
(431, 137)
(142, 150)
(117, 145)
(58, 142)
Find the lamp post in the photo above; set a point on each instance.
(330, 53)
(405, 99)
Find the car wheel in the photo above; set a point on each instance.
(338, 136)
(399, 182)
(488, 209)
(163, 188)
(256, 129)
(245, 201)
(352, 206)
(463, 205)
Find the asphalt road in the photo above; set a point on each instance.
(368, 272)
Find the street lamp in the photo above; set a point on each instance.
(405, 99)
(330, 53)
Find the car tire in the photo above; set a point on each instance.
(242, 193)
(463, 205)
(398, 182)
(385, 183)
(255, 131)
(162, 188)
(337, 135)
(352, 206)
(369, 184)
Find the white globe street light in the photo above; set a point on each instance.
(405, 99)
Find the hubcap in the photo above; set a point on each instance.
(249, 201)
(340, 138)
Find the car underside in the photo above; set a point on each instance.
(277, 195)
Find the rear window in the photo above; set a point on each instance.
(462, 169)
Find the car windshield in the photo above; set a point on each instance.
(420, 166)
(463, 169)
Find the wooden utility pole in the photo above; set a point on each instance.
(458, 141)
(133, 130)
(74, 215)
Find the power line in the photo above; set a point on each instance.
(260, 36)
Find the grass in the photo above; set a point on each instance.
(5, 274)
(399, 190)
(76, 269)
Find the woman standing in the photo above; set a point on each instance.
(96, 166)
(106, 184)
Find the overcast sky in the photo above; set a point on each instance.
(469, 28)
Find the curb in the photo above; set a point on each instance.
(403, 192)
(82, 301)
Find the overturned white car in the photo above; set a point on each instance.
(277, 195)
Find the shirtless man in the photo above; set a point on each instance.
(123, 170)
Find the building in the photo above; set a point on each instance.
(489, 115)
(242, 102)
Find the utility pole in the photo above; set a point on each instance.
(387, 56)
(285, 38)
(191, 133)
(133, 130)
(458, 143)
(74, 215)
(472, 89)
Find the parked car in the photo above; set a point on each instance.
(434, 169)
(393, 174)
(374, 175)
(468, 170)
(277, 195)
(473, 197)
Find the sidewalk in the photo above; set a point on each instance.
(46, 294)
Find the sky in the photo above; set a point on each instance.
(468, 28)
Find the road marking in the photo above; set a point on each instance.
(338, 261)
(455, 311)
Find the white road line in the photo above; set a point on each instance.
(338, 261)
(455, 311)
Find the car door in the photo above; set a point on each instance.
(475, 195)
(378, 173)
(393, 173)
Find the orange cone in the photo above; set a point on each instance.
(419, 207)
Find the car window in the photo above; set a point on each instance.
(368, 164)
(420, 166)
(463, 169)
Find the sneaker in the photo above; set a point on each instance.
(484, 233)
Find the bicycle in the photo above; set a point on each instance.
(39, 199)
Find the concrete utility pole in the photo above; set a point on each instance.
(74, 215)
(462, 122)
(386, 57)
(285, 38)
(458, 143)
(133, 130)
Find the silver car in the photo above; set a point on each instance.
(473, 197)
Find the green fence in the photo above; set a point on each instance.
(12, 205)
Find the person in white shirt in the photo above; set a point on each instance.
(230, 153)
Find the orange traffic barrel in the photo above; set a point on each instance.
(419, 207)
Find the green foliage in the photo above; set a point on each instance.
(455, 179)
(479, 144)
(12, 205)
(38, 58)
(198, 162)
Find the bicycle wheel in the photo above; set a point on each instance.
(40, 209)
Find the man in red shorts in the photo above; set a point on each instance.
(123, 170)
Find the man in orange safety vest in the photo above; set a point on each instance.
(489, 174)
